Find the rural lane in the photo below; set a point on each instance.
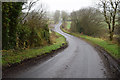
(78, 60)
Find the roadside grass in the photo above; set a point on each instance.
(109, 46)
(11, 57)
(68, 24)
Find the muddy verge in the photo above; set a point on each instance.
(110, 61)
(29, 63)
(112, 64)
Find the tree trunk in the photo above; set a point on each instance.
(111, 36)
(24, 45)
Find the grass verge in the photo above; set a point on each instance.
(68, 24)
(12, 57)
(111, 48)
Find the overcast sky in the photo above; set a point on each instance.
(67, 5)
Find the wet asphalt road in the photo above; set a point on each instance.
(78, 60)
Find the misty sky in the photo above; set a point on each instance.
(67, 5)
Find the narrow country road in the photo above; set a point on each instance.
(78, 60)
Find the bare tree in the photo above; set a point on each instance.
(37, 23)
(64, 16)
(27, 7)
(110, 8)
(87, 21)
(56, 16)
(118, 30)
(75, 21)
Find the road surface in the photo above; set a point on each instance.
(78, 60)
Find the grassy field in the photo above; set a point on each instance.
(10, 57)
(110, 47)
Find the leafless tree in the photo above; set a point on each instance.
(87, 21)
(39, 17)
(118, 30)
(75, 21)
(64, 16)
(37, 22)
(27, 7)
(56, 16)
(110, 8)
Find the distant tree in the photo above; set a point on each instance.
(118, 30)
(87, 21)
(56, 16)
(64, 16)
(75, 21)
(110, 8)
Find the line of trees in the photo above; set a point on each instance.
(64, 16)
(60, 15)
(31, 32)
(56, 16)
(87, 21)
(93, 21)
